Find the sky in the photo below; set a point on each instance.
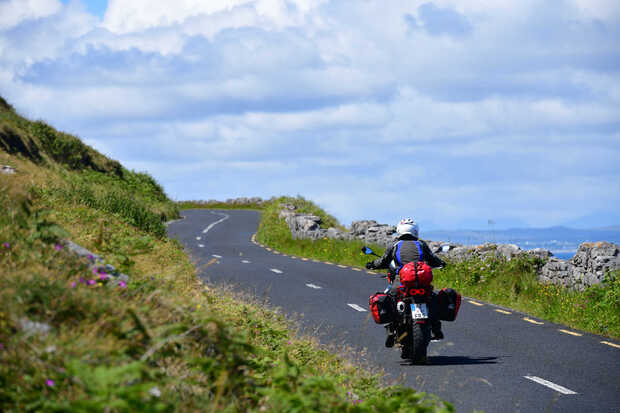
(451, 112)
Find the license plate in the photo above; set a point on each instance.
(419, 311)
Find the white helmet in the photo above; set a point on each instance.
(407, 226)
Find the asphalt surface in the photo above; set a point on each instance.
(491, 359)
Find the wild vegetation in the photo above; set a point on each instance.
(76, 340)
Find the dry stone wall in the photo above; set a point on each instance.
(588, 267)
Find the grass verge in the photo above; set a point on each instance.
(513, 284)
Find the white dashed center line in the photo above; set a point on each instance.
(197, 238)
(277, 271)
(201, 245)
(556, 387)
(357, 307)
(216, 256)
(207, 229)
(245, 261)
(316, 287)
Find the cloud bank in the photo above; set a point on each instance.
(451, 112)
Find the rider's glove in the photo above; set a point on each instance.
(370, 265)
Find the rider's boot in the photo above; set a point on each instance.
(436, 330)
(391, 336)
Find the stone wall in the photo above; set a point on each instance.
(588, 267)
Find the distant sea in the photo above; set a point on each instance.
(561, 241)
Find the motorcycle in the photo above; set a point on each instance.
(409, 325)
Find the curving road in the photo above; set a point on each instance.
(492, 358)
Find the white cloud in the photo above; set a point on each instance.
(14, 12)
(349, 103)
(138, 15)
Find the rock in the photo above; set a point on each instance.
(335, 233)
(303, 226)
(95, 261)
(373, 233)
(31, 328)
(7, 169)
(541, 253)
(507, 251)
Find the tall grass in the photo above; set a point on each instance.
(135, 201)
(515, 284)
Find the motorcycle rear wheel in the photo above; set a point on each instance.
(416, 343)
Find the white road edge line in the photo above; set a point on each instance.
(207, 229)
(556, 387)
(357, 308)
(316, 287)
(277, 271)
(245, 261)
(216, 256)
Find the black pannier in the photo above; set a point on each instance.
(382, 308)
(449, 304)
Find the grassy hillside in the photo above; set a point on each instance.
(74, 340)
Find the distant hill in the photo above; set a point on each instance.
(556, 239)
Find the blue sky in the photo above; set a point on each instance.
(452, 112)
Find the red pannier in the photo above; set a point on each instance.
(449, 304)
(382, 308)
(417, 274)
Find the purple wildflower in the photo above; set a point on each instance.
(49, 382)
(82, 280)
(1, 346)
(91, 282)
(6, 245)
(103, 277)
(91, 257)
(73, 284)
(58, 247)
(122, 284)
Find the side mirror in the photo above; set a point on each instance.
(367, 250)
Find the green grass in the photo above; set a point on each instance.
(515, 284)
(163, 342)
(512, 283)
(274, 232)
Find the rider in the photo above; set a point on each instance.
(401, 252)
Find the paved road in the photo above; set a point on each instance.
(491, 359)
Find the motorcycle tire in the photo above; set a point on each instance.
(416, 343)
